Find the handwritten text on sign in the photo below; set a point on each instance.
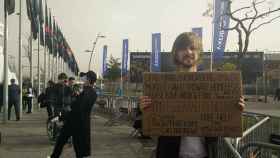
(193, 104)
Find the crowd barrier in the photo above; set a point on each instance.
(256, 141)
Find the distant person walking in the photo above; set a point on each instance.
(13, 101)
(29, 99)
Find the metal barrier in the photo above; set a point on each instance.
(119, 108)
(255, 142)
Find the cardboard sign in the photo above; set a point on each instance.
(193, 104)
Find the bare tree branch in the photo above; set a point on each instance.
(256, 14)
(241, 9)
(267, 13)
(255, 8)
(240, 43)
(257, 3)
(245, 23)
(247, 13)
(232, 28)
(267, 22)
(261, 15)
(209, 11)
(248, 7)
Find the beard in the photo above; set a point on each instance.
(187, 61)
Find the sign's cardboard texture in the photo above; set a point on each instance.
(193, 104)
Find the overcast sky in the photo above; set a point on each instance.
(81, 20)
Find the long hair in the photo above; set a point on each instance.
(186, 40)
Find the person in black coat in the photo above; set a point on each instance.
(50, 98)
(63, 94)
(13, 101)
(78, 122)
(277, 95)
(1, 96)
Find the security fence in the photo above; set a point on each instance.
(260, 139)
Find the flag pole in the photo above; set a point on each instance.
(5, 53)
(20, 58)
(39, 67)
(45, 55)
(31, 60)
(212, 38)
(45, 66)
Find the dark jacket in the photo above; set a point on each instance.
(62, 95)
(277, 94)
(14, 92)
(50, 95)
(1, 94)
(79, 121)
(169, 147)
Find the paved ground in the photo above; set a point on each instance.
(28, 139)
(269, 108)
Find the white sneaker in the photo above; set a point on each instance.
(48, 156)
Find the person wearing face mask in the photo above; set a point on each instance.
(77, 123)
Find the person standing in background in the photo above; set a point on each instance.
(29, 99)
(50, 98)
(1, 97)
(13, 99)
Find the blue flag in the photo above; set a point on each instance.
(197, 31)
(155, 56)
(125, 56)
(104, 63)
(221, 21)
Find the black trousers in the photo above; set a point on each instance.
(15, 104)
(50, 110)
(29, 104)
(65, 133)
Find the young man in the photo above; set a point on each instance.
(77, 123)
(186, 49)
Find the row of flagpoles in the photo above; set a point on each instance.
(45, 29)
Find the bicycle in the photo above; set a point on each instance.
(55, 124)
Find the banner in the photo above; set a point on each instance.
(125, 56)
(221, 21)
(104, 63)
(197, 31)
(10, 6)
(139, 63)
(155, 56)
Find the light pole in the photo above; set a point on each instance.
(91, 51)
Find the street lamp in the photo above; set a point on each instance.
(91, 51)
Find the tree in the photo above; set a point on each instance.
(248, 19)
(228, 67)
(113, 71)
